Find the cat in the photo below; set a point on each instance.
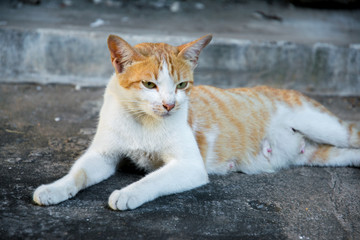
(180, 133)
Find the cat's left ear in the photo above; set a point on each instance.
(191, 51)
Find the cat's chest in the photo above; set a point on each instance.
(149, 161)
(151, 138)
(138, 140)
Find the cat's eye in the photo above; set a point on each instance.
(149, 85)
(182, 85)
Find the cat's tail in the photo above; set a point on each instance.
(327, 155)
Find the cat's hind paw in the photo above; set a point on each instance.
(124, 200)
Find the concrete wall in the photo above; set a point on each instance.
(82, 58)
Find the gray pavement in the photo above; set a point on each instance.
(43, 129)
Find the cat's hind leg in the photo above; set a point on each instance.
(89, 169)
(329, 140)
(320, 126)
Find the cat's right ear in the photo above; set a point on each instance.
(191, 51)
(122, 53)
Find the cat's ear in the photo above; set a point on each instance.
(191, 51)
(122, 53)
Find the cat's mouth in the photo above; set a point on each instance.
(163, 114)
(166, 114)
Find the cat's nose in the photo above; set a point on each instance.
(168, 107)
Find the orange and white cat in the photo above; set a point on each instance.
(179, 133)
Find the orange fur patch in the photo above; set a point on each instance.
(322, 154)
(240, 115)
(147, 69)
(351, 128)
(357, 135)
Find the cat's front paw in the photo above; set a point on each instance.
(50, 194)
(125, 200)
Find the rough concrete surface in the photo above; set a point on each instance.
(43, 129)
(255, 42)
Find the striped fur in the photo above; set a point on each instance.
(180, 133)
(244, 119)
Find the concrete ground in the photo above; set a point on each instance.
(43, 129)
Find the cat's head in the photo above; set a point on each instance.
(156, 77)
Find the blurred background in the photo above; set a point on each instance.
(308, 45)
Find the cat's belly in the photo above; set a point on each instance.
(274, 147)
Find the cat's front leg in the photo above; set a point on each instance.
(90, 168)
(176, 176)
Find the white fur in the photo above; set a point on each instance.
(167, 140)
(266, 149)
(166, 85)
(319, 126)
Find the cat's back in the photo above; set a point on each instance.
(218, 103)
(226, 109)
(210, 100)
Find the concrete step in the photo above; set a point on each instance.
(57, 45)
